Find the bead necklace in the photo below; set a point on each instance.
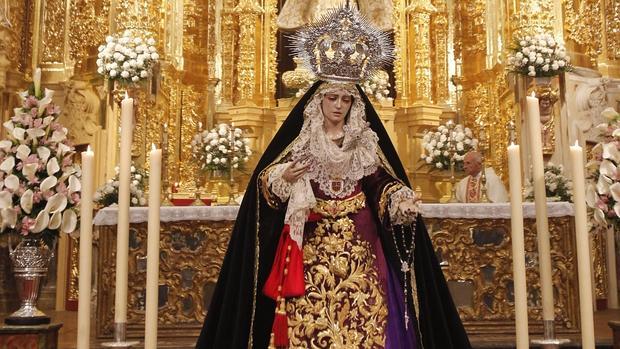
(406, 259)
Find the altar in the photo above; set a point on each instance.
(472, 242)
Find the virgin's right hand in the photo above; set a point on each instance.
(295, 170)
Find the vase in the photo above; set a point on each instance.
(29, 261)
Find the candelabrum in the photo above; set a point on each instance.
(483, 148)
(167, 199)
(452, 150)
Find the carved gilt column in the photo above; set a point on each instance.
(420, 12)
(402, 53)
(229, 52)
(249, 12)
(439, 38)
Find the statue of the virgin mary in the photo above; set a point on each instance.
(328, 249)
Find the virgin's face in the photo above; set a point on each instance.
(336, 106)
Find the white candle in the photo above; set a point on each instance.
(36, 80)
(540, 198)
(86, 244)
(152, 266)
(583, 248)
(122, 236)
(518, 247)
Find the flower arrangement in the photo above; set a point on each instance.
(378, 86)
(127, 58)
(557, 187)
(437, 144)
(107, 194)
(538, 55)
(603, 195)
(39, 183)
(220, 148)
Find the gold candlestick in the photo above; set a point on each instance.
(483, 178)
(452, 150)
(167, 191)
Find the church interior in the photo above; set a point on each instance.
(458, 83)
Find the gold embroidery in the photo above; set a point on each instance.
(385, 198)
(340, 208)
(344, 305)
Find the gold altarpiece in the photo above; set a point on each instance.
(219, 64)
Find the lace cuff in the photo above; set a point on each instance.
(401, 195)
(278, 185)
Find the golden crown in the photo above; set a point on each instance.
(342, 45)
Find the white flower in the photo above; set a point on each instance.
(7, 165)
(41, 221)
(125, 74)
(439, 165)
(69, 221)
(609, 113)
(52, 166)
(113, 73)
(11, 182)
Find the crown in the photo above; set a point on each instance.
(342, 45)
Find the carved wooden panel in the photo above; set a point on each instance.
(476, 260)
(191, 253)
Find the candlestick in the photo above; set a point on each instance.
(518, 246)
(152, 267)
(583, 248)
(86, 245)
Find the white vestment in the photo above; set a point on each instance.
(468, 188)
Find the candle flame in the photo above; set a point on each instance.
(533, 94)
(512, 143)
(153, 146)
(126, 95)
(88, 149)
(165, 125)
(576, 143)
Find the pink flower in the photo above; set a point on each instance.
(47, 194)
(30, 102)
(37, 123)
(62, 188)
(34, 112)
(27, 223)
(19, 166)
(75, 198)
(602, 203)
(31, 159)
(37, 197)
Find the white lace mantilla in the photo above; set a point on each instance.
(491, 210)
(109, 215)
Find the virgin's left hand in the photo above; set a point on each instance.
(409, 207)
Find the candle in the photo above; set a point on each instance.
(86, 245)
(199, 126)
(152, 266)
(518, 247)
(36, 79)
(122, 236)
(542, 224)
(583, 248)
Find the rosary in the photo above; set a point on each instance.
(406, 259)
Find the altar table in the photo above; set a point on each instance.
(472, 242)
